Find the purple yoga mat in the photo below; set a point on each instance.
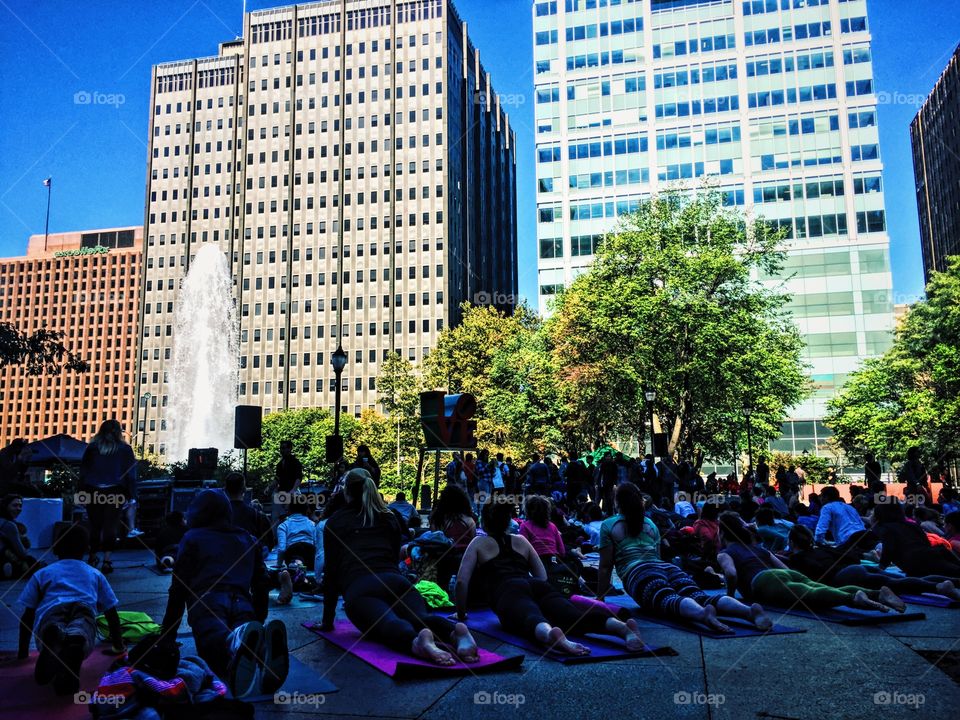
(741, 628)
(602, 647)
(400, 666)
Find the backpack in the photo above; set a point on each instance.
(134, 626)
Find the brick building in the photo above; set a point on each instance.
(84, 284)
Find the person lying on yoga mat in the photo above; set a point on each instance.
(907, 546)
(217, 566)
(361, 544)
(761, 576)
(515, 581)
(832, 567)
(630, 542)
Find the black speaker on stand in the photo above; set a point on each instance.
(247, 430)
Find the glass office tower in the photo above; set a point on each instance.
(771, 101)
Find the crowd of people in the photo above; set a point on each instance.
(519, 540)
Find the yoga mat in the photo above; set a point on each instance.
(297, 601)
(741, 628)
(931, 600)
(301, 678)
(602, 647)
(23, 698)
(851, 616)
(401, 666)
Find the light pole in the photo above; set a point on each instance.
(146, 414)
(339, 361)
(650, 396)
(747, 412)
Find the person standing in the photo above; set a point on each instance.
(108, 479)
(484, 470)
(289, 475)
(872, 471)
(365, 461)
(763, 472)
(608, 481)
(913, 475)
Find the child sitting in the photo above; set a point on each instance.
(61, 602)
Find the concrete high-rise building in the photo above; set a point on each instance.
(85, 285)
(351, 159)
(772, 101)
(935, 136)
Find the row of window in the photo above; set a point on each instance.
(698, 107)
(694, 76)
(789, 63)
(811, 93)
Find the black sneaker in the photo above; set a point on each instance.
(67, 679)
(245, 668)
(48, 663)
(276, 661)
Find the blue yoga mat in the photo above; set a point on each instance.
(844, 615)
(602, 647)
(931, 600)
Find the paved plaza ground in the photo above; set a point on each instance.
(900, 670)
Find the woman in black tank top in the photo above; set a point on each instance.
(516, 585)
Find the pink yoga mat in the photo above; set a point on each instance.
(23, 698)
(400, 666)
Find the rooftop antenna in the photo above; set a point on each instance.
(243, 19)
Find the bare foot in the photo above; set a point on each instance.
(759, 618)
(632, 637)
(558, 641)
(464, 645)
(948, 589)
(860, 600)
(710, 620)
(286, 588)
(425, 646)
(890, 599)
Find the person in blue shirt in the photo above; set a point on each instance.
(837, 518)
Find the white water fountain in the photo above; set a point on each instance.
(203, 382)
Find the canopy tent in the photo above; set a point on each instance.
(57, 448)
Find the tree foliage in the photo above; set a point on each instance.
(670, 303)
(911, 394)
(38, 353)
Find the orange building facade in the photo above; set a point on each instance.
(86, 285)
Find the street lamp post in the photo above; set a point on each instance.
(146, 414)
(650, 396)
(747, 412)
(339, 361)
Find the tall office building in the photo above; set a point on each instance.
(85, 285)
(935, 136)
(352, 160)
(772, 101)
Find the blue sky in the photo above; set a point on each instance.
(50, 50)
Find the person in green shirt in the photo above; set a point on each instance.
(630, 542)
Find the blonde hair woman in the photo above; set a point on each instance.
(361, 543)
(108, 479)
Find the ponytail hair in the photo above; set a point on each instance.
(630, 504)
(362, 490)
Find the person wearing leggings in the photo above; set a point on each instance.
(515, 581)
(906, 544)
(762, 577)
(361, 544)
(833, 567)
(630, 542)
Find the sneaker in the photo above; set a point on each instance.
(167, 562)
(244, 674)
(67, 680)
(286, 587)
(276, 660)
(47, 663)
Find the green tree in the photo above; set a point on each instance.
(39, 352)
(911, 394)
(398, 389)
(671, 302)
